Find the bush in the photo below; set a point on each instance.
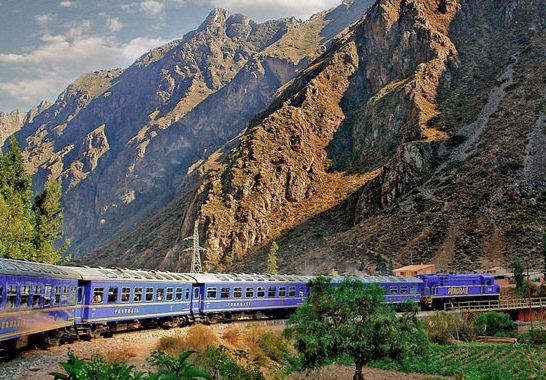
(274, 346)
(494, 323)
(537, 336)
(173, 345)
(222, 365)
(443, 328)
(199, 337)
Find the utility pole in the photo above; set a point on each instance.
(196, 258)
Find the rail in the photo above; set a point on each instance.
(492, 305)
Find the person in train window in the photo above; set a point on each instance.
(35, 302)
(97, 298)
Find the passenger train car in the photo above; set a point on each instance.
(46, 302)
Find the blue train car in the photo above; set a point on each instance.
(120, 299)
(220, 296)
(397, 289)
(441, 288)
(35, 299)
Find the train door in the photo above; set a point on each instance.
(80, 301)
(196, 300)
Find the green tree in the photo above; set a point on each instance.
(29, 226)
(352, 319)
(494, 323)
(272, 267)
(519, 277)
(391, 267)
(380, 264)
(544, 250)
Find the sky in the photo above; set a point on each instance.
(46, 44)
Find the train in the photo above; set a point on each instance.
(45, 304)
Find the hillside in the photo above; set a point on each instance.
(418, 134)
(122, 141)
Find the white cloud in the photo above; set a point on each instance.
(114, 24)
(43, 19)
(270, 9)
(152, 7)
(60, 59)
(66, 4)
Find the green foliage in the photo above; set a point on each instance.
(467, 361)
(272, 267)
(222, 365)
(29, 226)
(519, 278)
(351, 319)
(380, 265)
(274, 346)
(544, 250)
(494, 323)
(444, 328)
(391, 267)
(98, 368)
(95, 369)
(537, 336)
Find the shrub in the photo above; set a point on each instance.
(120, 356)
(232, 336)
(494, 323)
(443, 328)
(222, 365)
(275, 346)
(537, 336)
(173, 345)
(199, 337)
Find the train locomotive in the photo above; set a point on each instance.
(45, 303)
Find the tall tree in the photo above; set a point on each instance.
(272, 267)
(519, 277)
(352, 319)
(29, 226)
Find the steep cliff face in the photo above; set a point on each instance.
(122, 141)
(10, 123)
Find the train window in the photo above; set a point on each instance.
(179, 294)
(187, 294)
(57, 296)
(1, 294)
(112, 295)
(97, 295)
(403, 290)
(211, 293)
(36, 298)
(237, 292)
(413, 290)
(249, 293)
(47, 295)
(292, 291)
(38, 289)
(159, 294)
(125, 294)
(261, 291)
(12, 296)
(170, 294)
(393, 289)
(272, 291)
(224, 293)
(488, 282)
(65, 289)
(302, 292)
(80, 295)
(196, 293)
(137, 296)
(149, 294)
(24, 301)
(282, 291)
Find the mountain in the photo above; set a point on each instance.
(418, 135)
(124, 141)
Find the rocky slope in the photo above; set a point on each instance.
(417, 135)
(122, 141)
(12, 122)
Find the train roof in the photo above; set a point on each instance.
(24, 268)
(129, 275)
(380, 279)
(241, 277)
